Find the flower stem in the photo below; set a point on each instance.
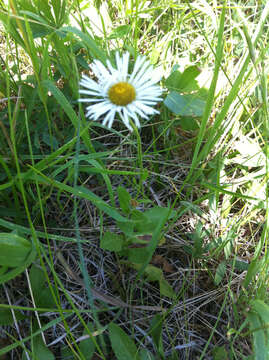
(139, 157)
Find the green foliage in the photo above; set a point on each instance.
(156, 329)
(39, 350)
(122, 345)
(220, 272)
(258, 319)
(14, 249)
(112, 242)
(196, 172)
(185, 105)
(6, 317)
(185, 98)
(41, 291)
(87, 346)
(152, 274)
(219, 353)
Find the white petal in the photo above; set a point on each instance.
(89, 83)
(146, 109)
(90, 100)
(134, 109)
(132, 114)
(139, 61)
(125, 119)
(109, 118)
(95, 111)
(88, 92)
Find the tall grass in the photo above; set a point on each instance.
(144, 245)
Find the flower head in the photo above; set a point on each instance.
(116, 91)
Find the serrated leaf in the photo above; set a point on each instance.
(184, 105)
(111, 242)
(122, 344)
(220, 272)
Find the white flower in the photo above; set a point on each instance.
(117, 91)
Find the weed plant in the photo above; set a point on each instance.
(143, 244)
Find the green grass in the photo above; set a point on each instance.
(144, 245)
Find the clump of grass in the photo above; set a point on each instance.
(143, 244)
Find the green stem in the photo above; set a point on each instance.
(139, 157)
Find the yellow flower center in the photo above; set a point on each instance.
(122, 93)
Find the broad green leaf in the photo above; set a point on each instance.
(188, 123)
(185, 105)
(45, 298)
(120, 32)
(6, 317)
(41, 291)
(219, 353)
(183, 82)
(127, 227)
(153, 273)
(166, 289)
(146, 355)
(66, 353)
(122, 344)
(156, 235)
(13, 249)
(262, 310)
(254, 267)
(241, 265)
(137, 255)
(156, 213)
(111, 241)
(124, 199)
(40, 350)
(11, 274)
(260, 341)
(146, 222)
(220, 272)
(87, 346)
(37, 279)
(156, 329)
